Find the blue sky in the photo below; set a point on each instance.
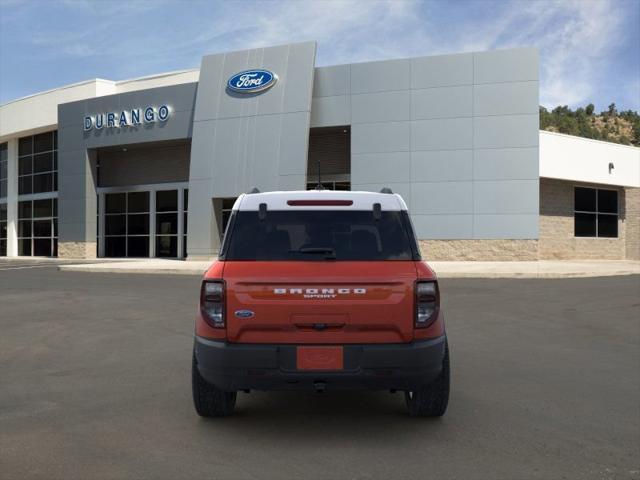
(590, 50)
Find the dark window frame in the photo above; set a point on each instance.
(596, 213)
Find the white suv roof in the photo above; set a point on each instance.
(283, 200)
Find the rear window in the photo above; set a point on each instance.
(319, 235)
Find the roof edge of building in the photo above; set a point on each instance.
(115, 83)
(565, 135)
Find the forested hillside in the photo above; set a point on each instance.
(610, 125)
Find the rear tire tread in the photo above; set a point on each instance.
(431, 400)
(208, 400)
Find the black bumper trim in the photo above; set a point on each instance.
(232, 366)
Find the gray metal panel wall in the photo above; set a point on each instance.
(456, 135)
(76, 162)
(244, 141)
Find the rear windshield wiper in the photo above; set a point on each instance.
(328, 252)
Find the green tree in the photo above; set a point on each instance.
(610, 125)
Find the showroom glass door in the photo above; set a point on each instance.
(145, 222)
(167, 223)
(126, 224)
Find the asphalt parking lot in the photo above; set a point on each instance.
(95, 383)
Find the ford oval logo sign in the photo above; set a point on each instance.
(252, 81)
(244, 313)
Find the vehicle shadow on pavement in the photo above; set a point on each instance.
(363, 416)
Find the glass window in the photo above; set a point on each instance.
(4, 166)
(3, 229)
(126, 224)
(138, 202)
(318, 235)
(25, 185)
(43, 162)
(184, 226)
(38, 227)
(585, 199)
(330, 185)
(167, 201)
(43, 183)
(167, 223)
(25, 165)
(42, 228)
(43, 208)
(138, 246)
(115, 225)
(227, 206)
(24, 228)
(24, 247)
(115, 247)
(607, 201)
(42, 247)
(585, 224)
(167, 246)
(25, 146)
(608, 226)
(24, 209)
(43, 142)
(37, 164)
(115, 203)
(596, 212)
(138, 224)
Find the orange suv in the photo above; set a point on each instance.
(320, 290)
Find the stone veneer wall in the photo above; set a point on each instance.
(632, 228)
(557, 240)
(77, 250)
(489, 250)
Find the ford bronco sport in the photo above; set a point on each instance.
(320, 290)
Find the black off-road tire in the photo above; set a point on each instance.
(431, 400)
(208, 400)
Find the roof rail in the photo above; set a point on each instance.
(253, 190)
(386, 190)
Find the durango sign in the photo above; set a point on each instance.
(127, 118)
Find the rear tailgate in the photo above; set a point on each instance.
(320, 302)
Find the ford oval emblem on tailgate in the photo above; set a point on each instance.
(244, 313)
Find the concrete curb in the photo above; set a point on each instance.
(511, 270)
(146, 271)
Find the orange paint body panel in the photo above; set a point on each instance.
(356, 302)
(320, 302)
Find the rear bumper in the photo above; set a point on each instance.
(232, 367)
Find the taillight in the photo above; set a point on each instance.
(427, 303)
(212, 302)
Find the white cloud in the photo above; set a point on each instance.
(575, 37)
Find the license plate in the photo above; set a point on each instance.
(320, 358)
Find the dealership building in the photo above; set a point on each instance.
(150, 167)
